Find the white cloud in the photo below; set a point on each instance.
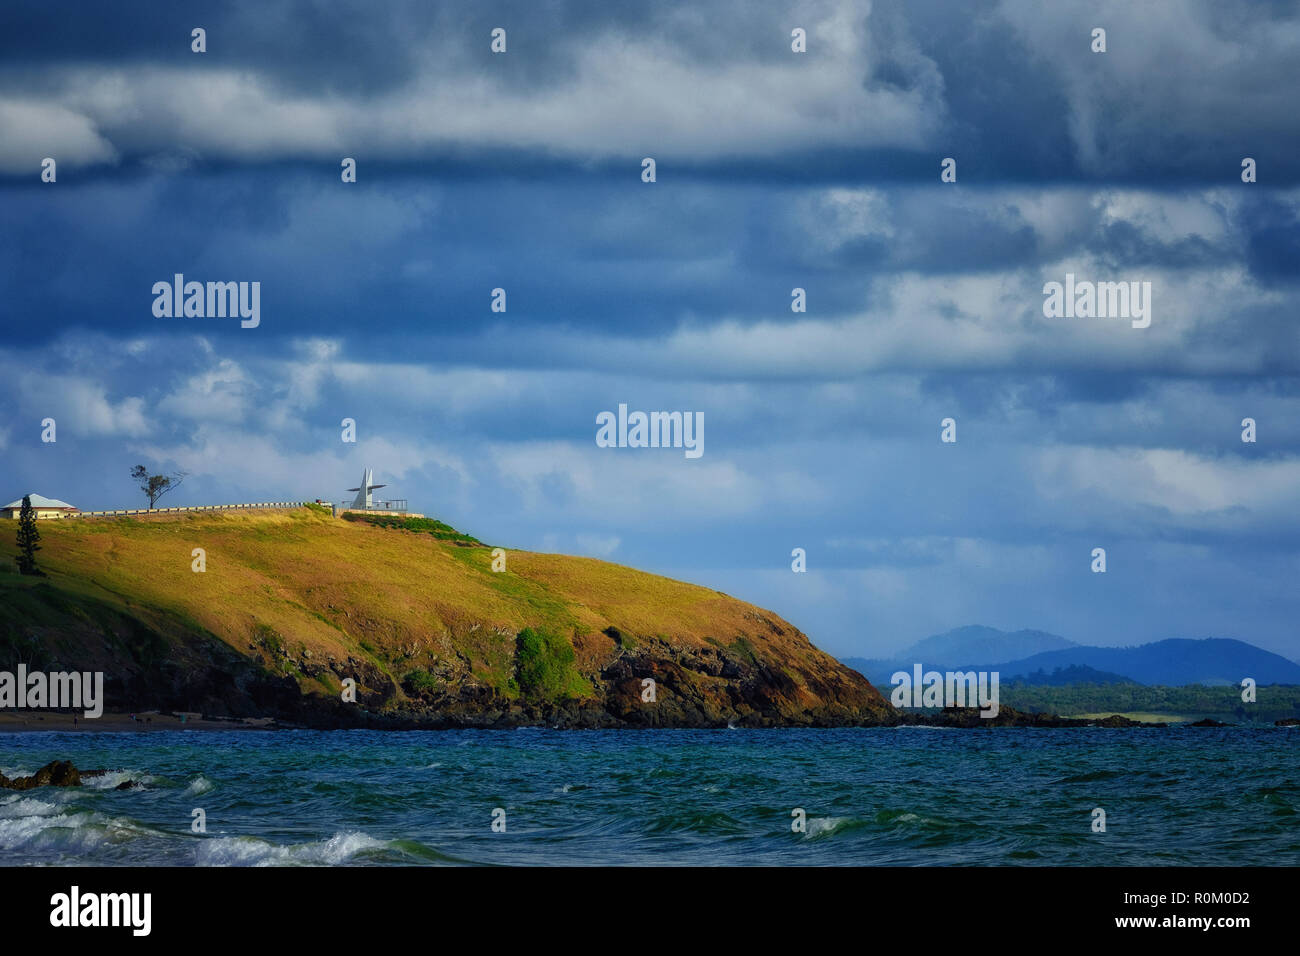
(262, 464)
(82, 407)
(1167, 218)
(220, 393)
(640, 486)
(627, 95)
(1176, 481)
(33, 131)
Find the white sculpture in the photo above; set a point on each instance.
(362, 500)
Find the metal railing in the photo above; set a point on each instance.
(394, 504)
(155, 511)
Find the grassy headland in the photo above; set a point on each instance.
(293, 602)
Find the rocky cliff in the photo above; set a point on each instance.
(289, 605)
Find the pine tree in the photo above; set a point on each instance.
(28, 537)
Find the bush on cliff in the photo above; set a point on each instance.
(544, 666)
(420, 683)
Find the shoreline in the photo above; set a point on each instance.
(17, 722)
(20, 722)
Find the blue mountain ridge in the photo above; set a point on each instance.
(1172, 662)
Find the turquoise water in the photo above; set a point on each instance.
(911, 796)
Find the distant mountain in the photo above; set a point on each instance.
(1174, 663)
(973, 643)
(976, 643)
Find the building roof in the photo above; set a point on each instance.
(40, 501)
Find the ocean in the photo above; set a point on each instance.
(905, 796)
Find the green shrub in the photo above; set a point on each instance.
(743, 649)
(419, 683)
(544, 666)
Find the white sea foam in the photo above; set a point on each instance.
(824, 826)
(252, 851)
(19, 806)
(112, 779)
(77, 832)
(199, 784)
(21, 832)
(53, 824)
(921, 727)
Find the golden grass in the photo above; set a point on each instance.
(397, 598)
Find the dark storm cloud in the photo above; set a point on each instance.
(420, 259)
(1010, 89)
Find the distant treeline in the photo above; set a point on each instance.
(1272, 702)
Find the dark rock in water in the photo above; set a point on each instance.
(1287, 722)
(1116, 720)
(58, 773)
(1207, 722)
(970, 717)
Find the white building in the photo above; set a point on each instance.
(44, 508)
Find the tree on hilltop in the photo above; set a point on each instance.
(155, 486)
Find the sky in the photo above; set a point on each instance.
(774, 171)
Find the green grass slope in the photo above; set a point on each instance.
(293, 602)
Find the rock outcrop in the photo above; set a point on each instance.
(57, 773)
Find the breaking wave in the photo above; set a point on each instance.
(253, 851)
